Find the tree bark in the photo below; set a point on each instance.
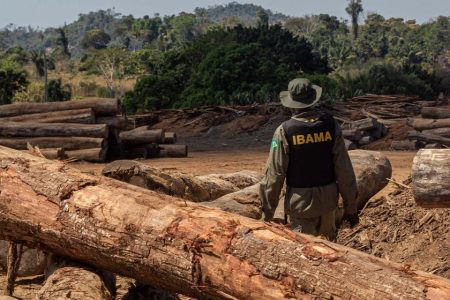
(96, 155)
(431, 178)
(100, 106)
(428, 138)
(173, 150)
(68, 143)
(53, 130)
(352, 134)
(13, 262)
(435, 113)
(365, 140)
(404, 145)
(119, 122)
(424, 124)
(365, 124)
(187, 186)
(170, 137)
(142, 137)
(70, 280)
(186, 247)
(444, 132)
(81, 116)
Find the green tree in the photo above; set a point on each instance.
(354, 9)
(63, 41)
(96, 39)
(57, 91)
(11, 82)
(262, 18)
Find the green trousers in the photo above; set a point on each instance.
(323, 225)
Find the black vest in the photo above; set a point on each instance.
(310, 152)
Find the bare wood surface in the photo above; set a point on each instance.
(142, 137)
(52, 153)
(170, 137)
(81, 116)
(68, 143)
(424, 124)
(435, 112)
(173, 150)
(13, 129)
(100, 106)
(191, 249)
(444, 132)
(431, 178)
(90, 155)
(428, 138)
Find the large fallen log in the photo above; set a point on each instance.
(142, 137)
(80, 116)
(428, 138)
(190, 187)
(173, 150)
(68, 143)
(13, 129)
(70, 280)
(186, 247)
(96, 155)
(119, 122)
(431, 178)
(444, 132)
(435, 112)
(100, 106)
(424, 124)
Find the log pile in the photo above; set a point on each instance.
(186, 247)
(363, 132)
(431, 130)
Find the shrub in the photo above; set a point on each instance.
(57, 91)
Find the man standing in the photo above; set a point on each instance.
(308, 151)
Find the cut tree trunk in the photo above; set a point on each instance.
(80, 116)
(70, 280)
(444, 132)
(142, 137)
(428, 138)
(424, 124)
(365, 124)
(190, 187)
(431, 178)
(119, 122)
(90, 155)
(11, 129)
(68, 143)
(435, 113)
(52, 153)
(170, 137)
(405, 145)
(186, 247)
(100, 106)
(173, 150)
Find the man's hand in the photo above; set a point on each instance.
(352, 219)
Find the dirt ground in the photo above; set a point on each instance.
(391, 226)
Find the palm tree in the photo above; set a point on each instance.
(354, 9)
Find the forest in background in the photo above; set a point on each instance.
(225, 54)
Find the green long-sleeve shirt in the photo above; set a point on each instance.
(307, 202)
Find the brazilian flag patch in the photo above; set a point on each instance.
(275, 144)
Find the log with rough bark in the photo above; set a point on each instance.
(142, 137)
(431, 178)
(424, 124)
(90, 155)
(444, 132)
(71, 280)
(13, 129)
(51, 153)
(100, 106)
(187, 186)
(352, 134)
(428, 138)
(405, 145)
(187, 247)
(68, 143)
(33, 261)
(119, 122)
(80, 116)
(170, 137)
(365, 124)
(173, 150)
(435, 113)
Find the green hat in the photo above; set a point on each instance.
(301, 94)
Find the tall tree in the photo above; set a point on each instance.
(354, 9)
(262, 18)
(63, 41)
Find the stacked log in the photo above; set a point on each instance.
(432, 130)
(363, 132)
(188, 248)
(78, 130)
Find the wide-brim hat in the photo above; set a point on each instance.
(300, 94)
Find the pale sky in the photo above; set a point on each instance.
(54, 13)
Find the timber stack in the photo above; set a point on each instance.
(431, 130)
(88, 130)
